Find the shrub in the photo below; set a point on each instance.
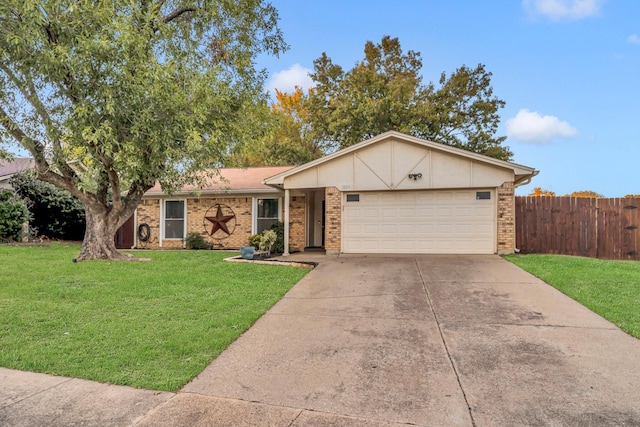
(278, 246)
(13, 213)
(196, 241)
(55, 212)
(254, 240)
(268, 238)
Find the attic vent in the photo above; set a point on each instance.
(483, 195)
(353, 197)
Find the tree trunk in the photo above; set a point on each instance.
(99, 237)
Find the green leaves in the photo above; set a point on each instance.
(13, 213)
(121, 94)
(385, 92)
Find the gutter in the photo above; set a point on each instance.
(526, 180)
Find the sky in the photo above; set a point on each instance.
(568, 70)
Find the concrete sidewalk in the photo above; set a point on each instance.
(383, 341)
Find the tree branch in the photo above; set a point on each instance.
(28, 90)
(37, 150)
(176, 13)
(35, 147)
(68, 81)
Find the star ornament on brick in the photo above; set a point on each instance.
(220, 221)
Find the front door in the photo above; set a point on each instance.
(315, 209)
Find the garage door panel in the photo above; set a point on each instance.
(372, 213)
(420, 222)
(371, 229)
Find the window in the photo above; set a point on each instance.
(483, 195)
(174, 219)
(267, 213)
(353, 197)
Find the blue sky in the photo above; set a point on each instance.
(569, 71)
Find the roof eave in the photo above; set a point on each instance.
(195, 193)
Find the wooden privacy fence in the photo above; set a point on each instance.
(597, 228)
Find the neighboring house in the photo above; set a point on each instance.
(393, 193)
(10, 168)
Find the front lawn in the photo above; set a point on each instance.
(150, 324)
(609, 288)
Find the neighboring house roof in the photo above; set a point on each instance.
(231, 181)
(9, 168)
(521, 174)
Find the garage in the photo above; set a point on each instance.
(396, 193)
(444, 221)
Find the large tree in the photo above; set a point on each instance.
(111, 96)
(385, 92)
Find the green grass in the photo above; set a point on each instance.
(151, 324)
(609, 288)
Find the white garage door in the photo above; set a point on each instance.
(446, 222)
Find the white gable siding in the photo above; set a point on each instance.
(386, 166)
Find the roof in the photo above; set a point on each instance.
(231, 181)
(8, 168)
(521, 173)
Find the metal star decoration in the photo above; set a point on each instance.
(219, 221)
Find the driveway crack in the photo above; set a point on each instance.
(444, 341)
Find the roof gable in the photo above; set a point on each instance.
(387, 160)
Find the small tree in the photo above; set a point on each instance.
(13, 214)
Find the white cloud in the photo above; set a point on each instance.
(532, 127)
(633, 38)
(287, 80)
(557, 10)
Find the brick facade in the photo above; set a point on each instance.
(197, 208)
(506, 219)
(297, 221)
(149, 212)
(333, 220)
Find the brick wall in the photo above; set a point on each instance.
(506, 219)
(149, 212)
(297, 219)
(241, 206)
(333, 220)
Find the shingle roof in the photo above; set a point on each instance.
(233, 180)
(8, 168)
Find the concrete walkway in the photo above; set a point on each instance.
(383, 341)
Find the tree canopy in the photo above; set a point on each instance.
(110, 97)
(287, 142)
(385, 92)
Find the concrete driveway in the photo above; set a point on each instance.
(420, 340)
(383, 341)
